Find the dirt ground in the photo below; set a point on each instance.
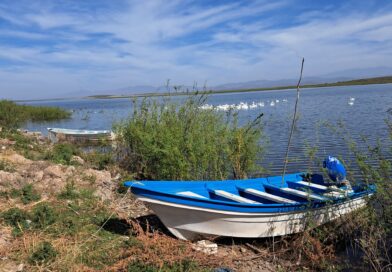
(49, 179)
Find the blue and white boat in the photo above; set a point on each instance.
(260, 207)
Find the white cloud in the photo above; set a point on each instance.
(146, 42)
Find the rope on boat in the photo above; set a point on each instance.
(293, 123)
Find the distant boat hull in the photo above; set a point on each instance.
(192, 223)
(58, 135)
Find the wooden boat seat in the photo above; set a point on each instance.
(189, 193)
(233, 197)
(268, 196)
(320, 187)
(302, 194)
(312, 185)
(335, 194)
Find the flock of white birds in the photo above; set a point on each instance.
(242, 105)
(253, 105)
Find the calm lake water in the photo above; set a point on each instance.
(326, 117)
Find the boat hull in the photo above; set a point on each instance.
(78, 136)
(191, 222)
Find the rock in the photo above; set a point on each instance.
(54, 171)
(206, 247)
(5, 237)
(38, 176)
(3, 147)
(99, 177)
(243, 250)
(78, 160)
(7, 142)
(20, 267)
(9, 266)
(50, 185)
(18, 159)
(70, 171)
(9, 179)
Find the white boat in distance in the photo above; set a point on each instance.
(78, 135)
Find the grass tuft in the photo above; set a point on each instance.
(6, 166)
(16, 218)
(26, 194)
(43, 215)
(62, 153)
(43, 254)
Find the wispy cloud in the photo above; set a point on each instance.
(61, 47)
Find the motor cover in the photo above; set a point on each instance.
(335, 169)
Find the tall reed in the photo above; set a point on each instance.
(168, 140)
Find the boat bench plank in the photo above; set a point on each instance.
(234, 197)
(268, 196)
(312, 185)
(321, 187)
(302, 194)
(190, 193)
(335, 194)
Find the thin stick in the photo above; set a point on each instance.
(293, 123)
(255, 248)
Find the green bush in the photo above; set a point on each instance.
(43, 215)
(69, 192)
(43, 254)
(6, 166)
(172, 141)
(62, 153)
(27, 194)
(12, 115)
(99, 160)
(17, 219)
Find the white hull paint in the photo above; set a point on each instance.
(190, 223)
(56, 135)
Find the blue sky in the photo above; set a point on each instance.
(53, 48)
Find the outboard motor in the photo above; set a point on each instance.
(335, 169)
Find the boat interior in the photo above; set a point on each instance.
(294, 189)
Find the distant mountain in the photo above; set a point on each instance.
(362, 72)
(276, 83)
(343, 75)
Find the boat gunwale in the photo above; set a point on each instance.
(142, 192)
(79, 132)
(266, 213)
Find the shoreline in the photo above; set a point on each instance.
(355, 82)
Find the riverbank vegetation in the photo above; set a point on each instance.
(13, 115)
(181, 141)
